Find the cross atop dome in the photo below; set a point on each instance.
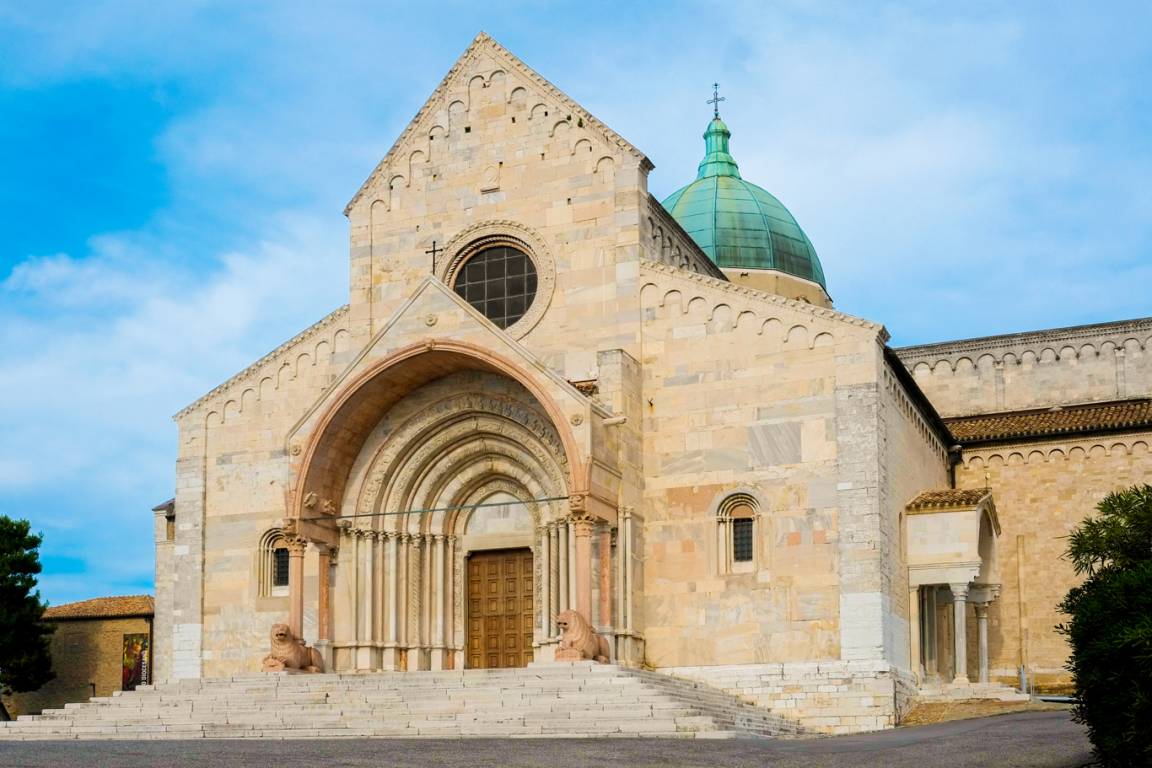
(715, 100)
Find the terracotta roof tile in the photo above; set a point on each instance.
(1070, 419)
(947, 498)
(104, 608)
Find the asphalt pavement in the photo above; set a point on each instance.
(1024, 740)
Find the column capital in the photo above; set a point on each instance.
(295, 545)
(959, 592)
(981, 610)
(438, 537)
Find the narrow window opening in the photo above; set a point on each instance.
(280, 567)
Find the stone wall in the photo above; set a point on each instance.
(1042, 490)
(742, 394)
(1062, 366)
(832, 697)
(87, 657)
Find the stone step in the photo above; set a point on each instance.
(564, 700)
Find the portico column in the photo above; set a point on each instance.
(960, 625)
(982, 638)
(914, 641)
(582, 527)
(296, 547)
(324, 626)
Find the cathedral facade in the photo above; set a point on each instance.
(550, 391)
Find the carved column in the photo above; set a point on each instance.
(393, 545)
(605, 577)
(296, 547)
(960, 624)
(562, 603)
(415, 606)
(438, 602)
(629, 573)
(404, 548)
(450, 598)
(545, 585)
(324, 619)
(982, 638)
(368, 600)
(553, 579)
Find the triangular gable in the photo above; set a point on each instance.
(432, 297)
(485, 44)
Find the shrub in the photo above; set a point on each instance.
(1110, 627)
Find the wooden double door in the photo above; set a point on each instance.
(500, 608)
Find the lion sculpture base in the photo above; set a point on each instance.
(578, 642)
(291, 654)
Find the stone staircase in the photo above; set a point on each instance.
(578, 699)
(931, 693)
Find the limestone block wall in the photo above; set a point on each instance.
(742, 393)
(832, 697)
(1107, 361)
(912, 457)
(87, 659)
(1043, 490)
(231, 481)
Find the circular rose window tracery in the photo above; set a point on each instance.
(499, 282)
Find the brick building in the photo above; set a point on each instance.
(100, 646)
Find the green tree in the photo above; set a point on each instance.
(1110, 630)
(25, 658)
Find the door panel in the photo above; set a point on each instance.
(500, 608)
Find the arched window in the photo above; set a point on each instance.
(272, 567)
(738, 533)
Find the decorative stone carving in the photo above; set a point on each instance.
(577, 640)
(291, 654)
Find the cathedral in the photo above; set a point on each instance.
(550, 391)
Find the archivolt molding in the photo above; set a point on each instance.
(483, 234)
(744, 307)
(426, 120)
(277, 367)
(1073, 450)
(486, 425)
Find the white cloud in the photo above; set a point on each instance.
(88, 406)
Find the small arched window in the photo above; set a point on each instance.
(738, 534)
(272, 567)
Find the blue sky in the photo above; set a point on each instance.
(172, 177)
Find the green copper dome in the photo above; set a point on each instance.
(737, 223)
